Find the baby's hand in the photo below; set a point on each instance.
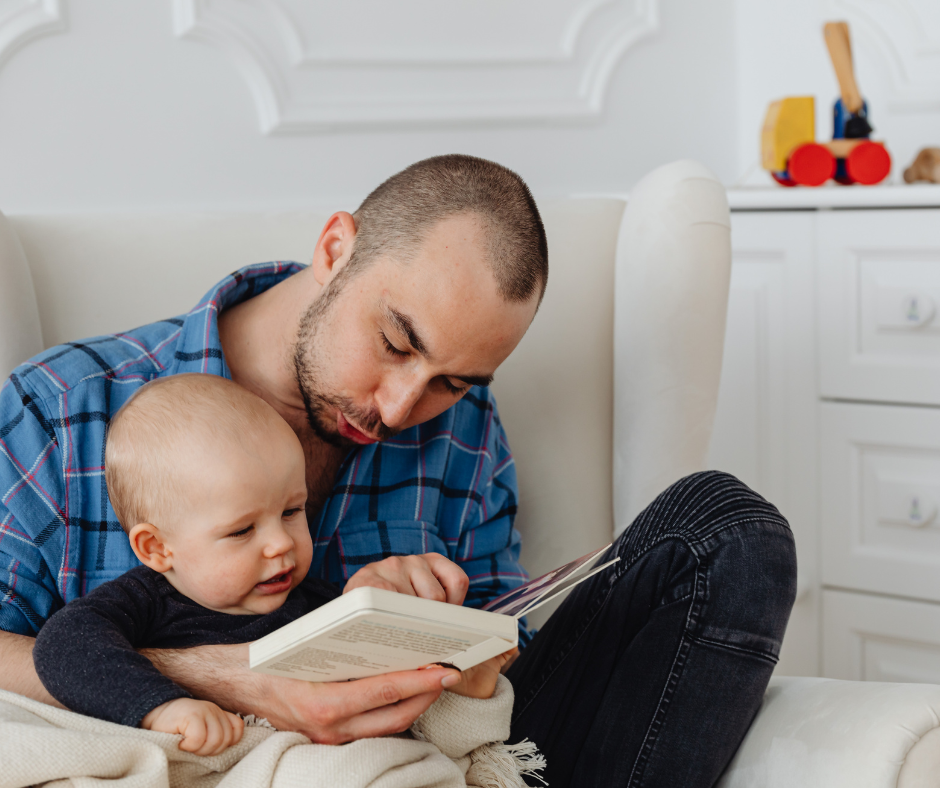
(206, 729)
(480, 680)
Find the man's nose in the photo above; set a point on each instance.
(397, 397)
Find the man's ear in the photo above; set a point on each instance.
(149, 546)
(334, 246)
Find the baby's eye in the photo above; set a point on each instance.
(242, 532)
(288, 513)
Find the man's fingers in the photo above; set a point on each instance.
(426, 583)
(379, 691)
(451, 577)
(387, 720)
(430, 576)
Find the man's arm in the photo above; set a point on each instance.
(331, 713)
(18, 674)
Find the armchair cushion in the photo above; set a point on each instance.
(822, 733)
(20, 335)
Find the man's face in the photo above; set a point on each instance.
(400, 342)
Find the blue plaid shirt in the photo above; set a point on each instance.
(445, 486)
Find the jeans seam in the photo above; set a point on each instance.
(694, 544)
(753, 652)
(675, 672)
(700, 541)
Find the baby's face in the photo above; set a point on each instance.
(240, 542)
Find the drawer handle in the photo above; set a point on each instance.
(921, 511)
(919, 309)
(908, 507)
(899, 308)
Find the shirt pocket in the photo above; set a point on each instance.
(358, 544)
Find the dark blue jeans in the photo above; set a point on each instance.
(650, 672)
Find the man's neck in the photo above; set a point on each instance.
(258, 337)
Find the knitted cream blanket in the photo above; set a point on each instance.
(44, 746)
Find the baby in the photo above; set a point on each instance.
(208, 482)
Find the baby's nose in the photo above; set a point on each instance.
(279, 544)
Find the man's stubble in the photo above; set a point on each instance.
(320, 404)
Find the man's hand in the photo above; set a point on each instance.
(430, 576)
(206, 729)
(332, 713)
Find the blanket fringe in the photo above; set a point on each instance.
(251, 721)
(500, 765)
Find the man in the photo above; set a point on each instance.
(378, 356)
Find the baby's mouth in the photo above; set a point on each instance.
(277, 579)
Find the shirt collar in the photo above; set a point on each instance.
(199, 348)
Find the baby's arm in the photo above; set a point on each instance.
(85, 654)
(206, 729)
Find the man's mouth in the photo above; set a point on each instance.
(351, 433)
(277, 584)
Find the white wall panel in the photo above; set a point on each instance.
(313, 65)
(119, 112)
(21, 21)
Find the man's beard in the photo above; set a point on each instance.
(319, 404)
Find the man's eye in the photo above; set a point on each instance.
(242, 532)
(452, 388)
(390, 347)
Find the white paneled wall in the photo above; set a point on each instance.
(107, 104)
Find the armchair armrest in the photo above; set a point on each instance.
(822, 733)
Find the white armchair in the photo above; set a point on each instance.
(558, 396)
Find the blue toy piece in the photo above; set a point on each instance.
(841, 117)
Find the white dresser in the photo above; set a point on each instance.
(830, 407)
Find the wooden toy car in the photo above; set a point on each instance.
(788, 141)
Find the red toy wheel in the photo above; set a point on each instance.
(868, 163)
(811, 164)
(782, 179)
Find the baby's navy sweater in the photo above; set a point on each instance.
(86, 655)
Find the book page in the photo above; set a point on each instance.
(526, 597)
(371, 644)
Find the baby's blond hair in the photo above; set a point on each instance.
(163, 418)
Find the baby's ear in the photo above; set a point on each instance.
(149, 546)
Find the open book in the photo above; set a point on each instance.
(370, 631)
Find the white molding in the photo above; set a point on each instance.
(909, 45)
(298, 89)
(28, 20)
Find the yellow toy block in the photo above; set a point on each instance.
(788, 123)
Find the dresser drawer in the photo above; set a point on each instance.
(880, 483)
(869, 638)
(879, 305)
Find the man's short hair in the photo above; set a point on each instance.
(164, 418)
(395, 218)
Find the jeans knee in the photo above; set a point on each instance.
(745, 552)
(703, 503)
